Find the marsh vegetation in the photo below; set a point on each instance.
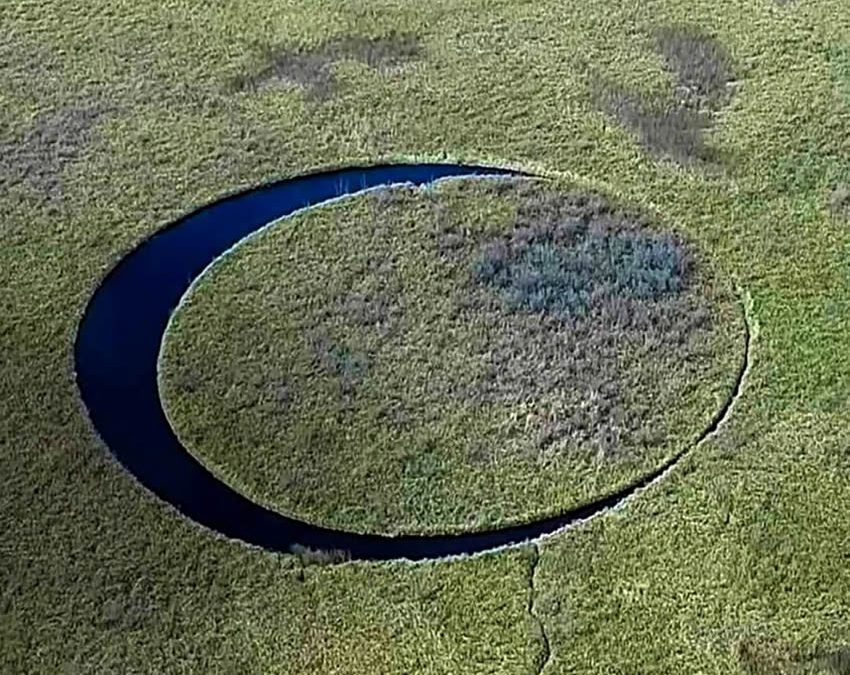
(469, 356)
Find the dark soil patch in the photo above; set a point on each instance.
(675, 128)
(312, 70)
(38, 158)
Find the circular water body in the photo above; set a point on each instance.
(118, 347)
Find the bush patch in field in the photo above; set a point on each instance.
(839, 61)
(563, 270)
(669, 131)
(763, 656)
(839, 661)
(309, 557)
(312, 69)
(675, 128)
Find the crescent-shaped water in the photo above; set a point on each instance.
(117, 351)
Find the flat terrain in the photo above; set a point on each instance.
(727, 122)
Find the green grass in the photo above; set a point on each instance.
(355, 366)
(737, 563)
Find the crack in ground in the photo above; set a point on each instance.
(545, 647)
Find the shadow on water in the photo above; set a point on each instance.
(118, 344)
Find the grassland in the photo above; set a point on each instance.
(458, 358)
(737, 563)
